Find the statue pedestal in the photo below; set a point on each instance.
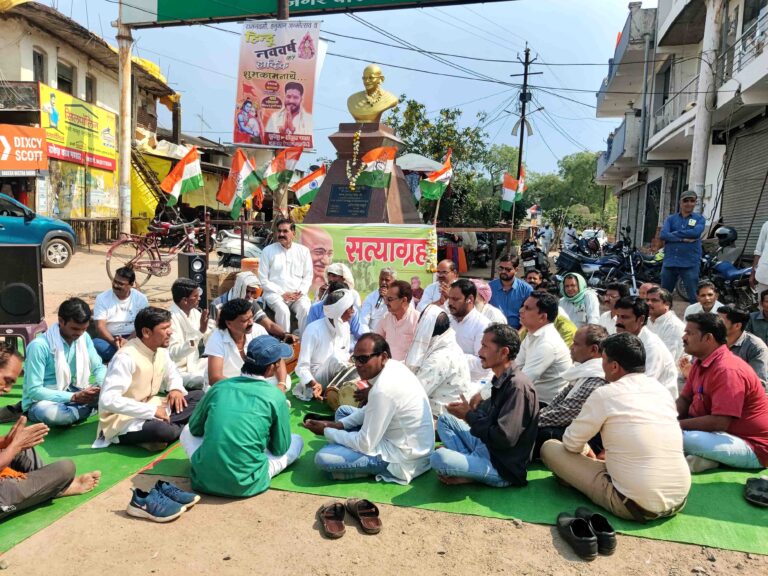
(335, 203)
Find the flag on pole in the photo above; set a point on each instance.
(433, 186)
(378, 167)
(280, 169)
(512, 189)
(185, 176)
(239, 185)
(306, 188)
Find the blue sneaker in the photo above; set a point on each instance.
(176, 494)
(154, 505)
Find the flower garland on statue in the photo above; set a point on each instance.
(352, 177)
(431, 263)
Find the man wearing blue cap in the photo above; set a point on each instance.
(239, 436)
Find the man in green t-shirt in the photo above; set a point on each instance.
(239, 436)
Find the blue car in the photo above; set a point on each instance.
(20, 225)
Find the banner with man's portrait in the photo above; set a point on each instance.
(276, 83)
(410, 249)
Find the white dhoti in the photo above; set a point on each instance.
(283, 310)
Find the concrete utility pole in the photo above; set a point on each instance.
(525, 97)
(124, 43)
(706, 95)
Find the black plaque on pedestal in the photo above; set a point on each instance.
(346, 203)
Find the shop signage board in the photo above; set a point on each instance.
(151, 13)
(78, 132)
(23, 150)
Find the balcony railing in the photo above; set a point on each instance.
(676, 106)
(614, 151)
(748, 47)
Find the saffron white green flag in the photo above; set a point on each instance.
(280, 169)
(512, 189)
(378, 167)
(433, 186)
(239, 185)
(185, 177)
(306, 188)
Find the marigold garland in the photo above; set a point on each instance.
(352, 178)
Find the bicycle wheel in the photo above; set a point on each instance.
(127, 252)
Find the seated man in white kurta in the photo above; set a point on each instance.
(285, 273)
(325, 346)
(130, 410)
(190, 328)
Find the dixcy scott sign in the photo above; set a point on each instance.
(148, 13)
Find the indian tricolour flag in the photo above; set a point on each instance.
(239, 185)
(185, 177)
(280, 169)
(306, 188)
(433, 186)
(513, 189)
(378, 167)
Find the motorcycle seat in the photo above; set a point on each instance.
(166, 227)
(730, 272)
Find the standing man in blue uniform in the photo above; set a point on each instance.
(682, 246)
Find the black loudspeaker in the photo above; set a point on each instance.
(21, 284)
(193, 266)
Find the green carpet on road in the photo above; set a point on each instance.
(116, 464)
(716, 514)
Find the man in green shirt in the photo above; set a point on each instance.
(239, 436)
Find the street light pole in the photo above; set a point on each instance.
(125, 44)
(525, 97)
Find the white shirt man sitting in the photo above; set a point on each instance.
(631, 316)
(285, 273)
(544, 356)
(392, 436)
(469, 326)
(644, 475)
(130, 410)
(114, 313)
(437, 292)
(190, 328)
(325, 346)
(613, 292)
(375, 304)
(664, 322)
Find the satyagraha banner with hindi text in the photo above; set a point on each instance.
(276, 83)
(410, 249)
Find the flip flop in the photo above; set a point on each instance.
(331, 517)
(366, 513)
(756, 491)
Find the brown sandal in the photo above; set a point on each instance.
(331, 517)
(366, 513)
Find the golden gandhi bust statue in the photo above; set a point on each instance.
(370, 104)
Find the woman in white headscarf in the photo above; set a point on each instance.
(338, 272)
(437, 360)
(325, 346)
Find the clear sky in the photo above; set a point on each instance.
(570, 36)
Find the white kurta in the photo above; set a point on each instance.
(659, 363)
(608, 321)
(431, 294)
(444, 372)
(185, 341)
(469, 336)
(221, 345)
(116, 383)
(587, 312)
(696, 308)
(282, 270)
(544, 358)
(395, 424)
(493, 314)
(670, 329)
(320, 344)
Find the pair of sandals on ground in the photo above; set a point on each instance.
(331, 517)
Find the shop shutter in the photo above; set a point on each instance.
(748, 156)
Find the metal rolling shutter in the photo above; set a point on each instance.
(748, 153)
(632, 219)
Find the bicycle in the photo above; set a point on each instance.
(143, 253)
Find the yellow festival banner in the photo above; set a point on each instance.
(76, 131)
(410, 249)
(276, 83)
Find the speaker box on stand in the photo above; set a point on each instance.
(22, 312)
(195, 267)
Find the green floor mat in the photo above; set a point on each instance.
(115, 463)
(716, 514)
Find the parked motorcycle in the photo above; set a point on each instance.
(533, 258)
(732, 283)
(229, 247)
